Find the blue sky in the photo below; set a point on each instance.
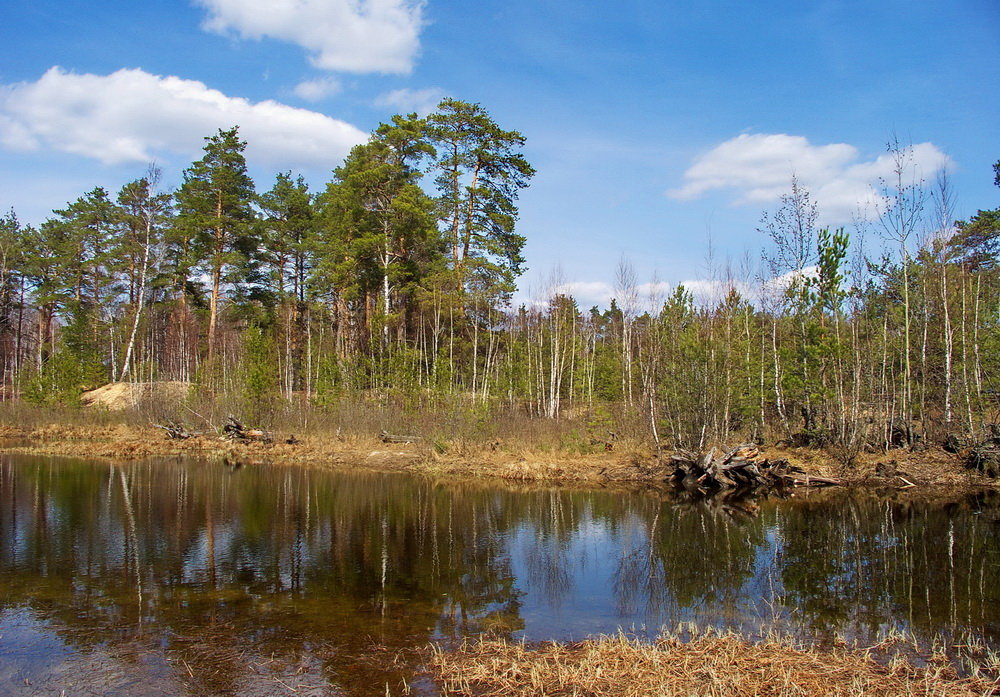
(654, 126)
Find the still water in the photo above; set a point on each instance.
(189, 578)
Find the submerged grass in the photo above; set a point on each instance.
(710, 664)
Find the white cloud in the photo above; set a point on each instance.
(759, 168)
(654, 293)
(316, 90)
(586, 293)
(406, 100)
(648, 296)
(358, 36)
(710, 292)
(131, 115)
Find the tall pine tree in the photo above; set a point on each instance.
(215, 207)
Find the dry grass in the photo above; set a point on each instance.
(707, 665)
(457, 437)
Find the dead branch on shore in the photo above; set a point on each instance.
(390, 438)
(739, 468)
(234, 430)
(985, 455)
(176, 431)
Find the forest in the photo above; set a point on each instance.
(390, 291)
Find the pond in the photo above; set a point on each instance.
(179, 577)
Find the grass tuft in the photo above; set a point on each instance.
(710, 664)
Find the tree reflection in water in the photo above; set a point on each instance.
(222, 581)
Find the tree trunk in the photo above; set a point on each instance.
(213, 310)
(138, 300)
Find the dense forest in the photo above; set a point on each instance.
(393, 285)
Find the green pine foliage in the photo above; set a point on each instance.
(387, 291)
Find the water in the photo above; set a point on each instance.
(172, 577)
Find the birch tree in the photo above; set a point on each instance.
(144, 213)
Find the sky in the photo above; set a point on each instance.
(660, 131)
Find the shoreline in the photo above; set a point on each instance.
(902, 469)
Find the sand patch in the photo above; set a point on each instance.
(117, 396)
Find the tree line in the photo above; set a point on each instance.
(394, 281)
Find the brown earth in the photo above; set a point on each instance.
(901, 469)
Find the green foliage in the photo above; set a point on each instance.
(389, 290)
(288, 229)
(377, 236)
(215, 222)
(13, 250)
(825, 288)
(480, 171)
(60, 381)
(328, 381)
(976, 243)
(141, 218)
(259, 377)
(82, 345)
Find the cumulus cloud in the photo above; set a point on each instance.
(316, 90)
(131, 115)
(647, 296)
(358, 36)
(759, 167)
(711, 292)
(586, 293)
(406, 100)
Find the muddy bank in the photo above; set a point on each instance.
(899, 468)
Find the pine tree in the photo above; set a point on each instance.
(480, 171)
(12, 281)
(289, 223)
(215, 209)
(377, 229)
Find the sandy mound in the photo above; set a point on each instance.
(124, 395)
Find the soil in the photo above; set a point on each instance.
(900, 469)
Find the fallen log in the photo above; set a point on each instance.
(807, 480)
(175, 431)
(234, 430)
(739, 468)
(390, 438)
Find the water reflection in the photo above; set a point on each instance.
(214, 581)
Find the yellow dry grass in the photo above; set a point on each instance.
(709, 665)
(117, 433)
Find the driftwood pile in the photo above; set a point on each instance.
(234, 430)
(176, 431)
(739, 468)
(983, 455)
